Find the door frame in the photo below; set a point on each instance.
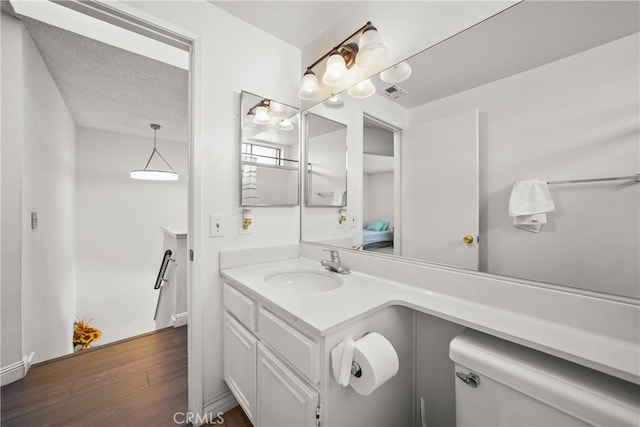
(134, 20)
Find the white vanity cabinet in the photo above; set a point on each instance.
(284, 399)
(269, 374)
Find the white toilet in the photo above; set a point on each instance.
(499, 383)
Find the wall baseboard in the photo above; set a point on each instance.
(180, 319)
(14, 372)
(220, 404)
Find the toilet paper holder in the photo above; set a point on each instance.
(356, 370)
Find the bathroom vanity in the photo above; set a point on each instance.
(278, 338)
(278, 342)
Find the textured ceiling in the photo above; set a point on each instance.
(112, 89)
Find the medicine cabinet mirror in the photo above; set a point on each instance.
(269, 153)
(541, 91)
(326, 166)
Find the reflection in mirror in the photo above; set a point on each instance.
(378, 182)
(269, 152)
(545, 92)
(326, 176)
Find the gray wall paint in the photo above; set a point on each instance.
(573, 118)
(119, 234)
(435, 376)
(11, 250)
(45, 132)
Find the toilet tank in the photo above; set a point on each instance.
(518, 386)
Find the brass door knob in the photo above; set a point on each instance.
(468, 239)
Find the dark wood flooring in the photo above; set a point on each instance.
(141, 381)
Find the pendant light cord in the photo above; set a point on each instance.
(155, 150)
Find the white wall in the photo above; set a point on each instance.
(11, 155)
(378, 198)
(119, 234)
(228, 60)
(328, 159)
(573, 118)
(45, 129)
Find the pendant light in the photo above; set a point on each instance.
(151, 174)
(371, 50)
(396, 74)
(262, 114)
(364, 89)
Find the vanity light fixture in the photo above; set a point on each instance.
(396, 74)
(341, 59)
(155, 175)
(260, 112)
(285, 125)
(364, 89)
(334, 102)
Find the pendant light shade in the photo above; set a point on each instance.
(396, 74)
(309, 88)
(371, 50)
(152, 174)
(336, 72)
(364, 89)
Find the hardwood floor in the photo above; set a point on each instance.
(141, 381)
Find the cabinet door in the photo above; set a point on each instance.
(240, 351)
(283, 398)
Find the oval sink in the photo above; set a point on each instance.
(303, 281)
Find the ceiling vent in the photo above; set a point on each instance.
(394, 92)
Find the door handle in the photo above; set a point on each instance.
(468, 239)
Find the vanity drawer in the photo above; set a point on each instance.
(300, 352)
(240, 305)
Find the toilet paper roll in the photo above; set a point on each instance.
(377, 359)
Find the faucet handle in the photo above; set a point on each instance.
(335, 255)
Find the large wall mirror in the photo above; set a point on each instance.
(326, 154)
(544, 91)
(269, 152)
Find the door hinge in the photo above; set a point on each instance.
(318, 415)
(191, 254)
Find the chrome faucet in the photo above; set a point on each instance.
(335, 264)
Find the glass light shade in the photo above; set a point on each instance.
(334, 102)
(285, 125)
(336, 72)
(396, 74)
(371, 50)
(309, 87)
(153, 175)
(262, 116)
(364, 89)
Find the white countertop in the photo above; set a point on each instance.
(360, 295)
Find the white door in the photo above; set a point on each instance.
(440, 191)
(284, 399)
(240, 353)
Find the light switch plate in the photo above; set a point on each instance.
(216, 225)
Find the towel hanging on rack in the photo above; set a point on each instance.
(529, 203)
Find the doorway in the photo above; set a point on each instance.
(380, 207)
(95, 239)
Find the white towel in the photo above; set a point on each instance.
(338, 198)
(529, 202)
